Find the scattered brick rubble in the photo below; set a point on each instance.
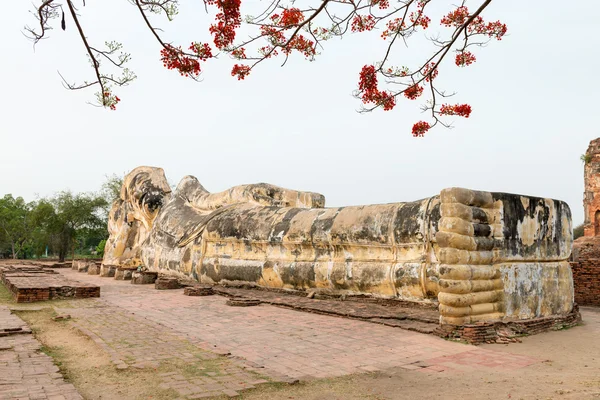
(198, 291)
(30, 283)
(242, 302)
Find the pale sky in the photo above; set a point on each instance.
(297, 126)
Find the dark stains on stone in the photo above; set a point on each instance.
(283, 225)
(298, 274)
(187, 255)
(227, 225)
(481, 230)
(434, 217)
(484, 243)
(404, 278)
(323, 225)
(208, 269)
(549, 236)
(406, 224)
(479, 216)
(338, 277)
(132, 236)
(371, 275)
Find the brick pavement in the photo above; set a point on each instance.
(137, 343)
(283, 341)
(26, 372)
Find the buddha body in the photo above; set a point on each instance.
(478, 255)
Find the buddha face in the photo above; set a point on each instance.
(144, 189)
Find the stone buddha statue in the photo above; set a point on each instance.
(478, 255)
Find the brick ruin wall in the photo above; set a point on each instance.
(586, 271)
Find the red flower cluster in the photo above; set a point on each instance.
(362, 23)
(110, 100)
(462, 110)
(241, 71)
(289, 17)
(275, 35)
(228, 20)
(393, 26)
(202, 50)
(303, 45)
(456, 17)
(492, 29)
(413, 92)
(382, 4)
(465, 58)
(419, 129)
(266, 51)
(174, 58)
(429, 72)
(370, 93)
(239, 53)
(418, 19)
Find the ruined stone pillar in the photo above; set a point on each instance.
(591, 195)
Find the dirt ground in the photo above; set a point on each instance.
(570, 370)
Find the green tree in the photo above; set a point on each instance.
(15, 223)
(578, 231)
(100, 248)
(71, 218)
(111, 188)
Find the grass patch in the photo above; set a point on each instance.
(6, 296)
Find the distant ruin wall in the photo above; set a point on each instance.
(586, 271)
(591, 195)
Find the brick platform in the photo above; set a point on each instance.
(509, 332)
(33, 283)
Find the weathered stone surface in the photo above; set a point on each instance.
(93, 269)
(108, 270)
(143, 277)
(84, 265)
(166, 283)
(198, 291)
(242, 302)
(123, 274)
(481, 255)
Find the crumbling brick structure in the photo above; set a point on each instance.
(586, 249)
(591, 196)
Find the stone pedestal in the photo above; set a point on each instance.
(198, 291)
(166, 283)
(123, 274)
(143, 278)
(93, 269)
(108, 271)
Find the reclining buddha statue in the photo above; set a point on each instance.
(479, 255)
